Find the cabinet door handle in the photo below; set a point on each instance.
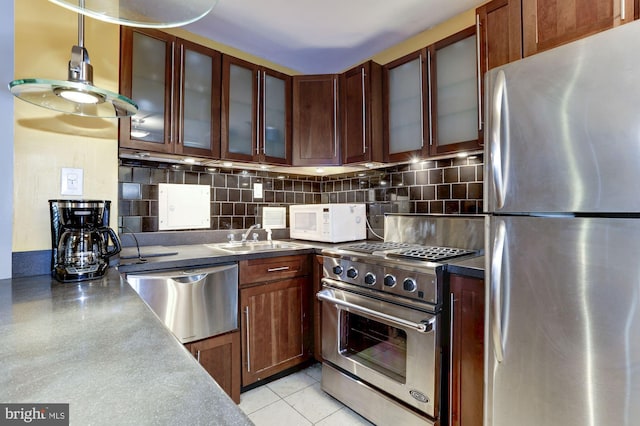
(429, 94)
(258, 116)
(537, 17)
(172, 92)
(364, 114)
(278, 268)
(479, 73)
(623, 12)
(246, 314)
(198, 355)
(451, 331)
(335, 116)
(264, 112)
(421, 106)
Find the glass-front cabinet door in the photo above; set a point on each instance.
(146, 77)
(255, 113)
(176, 85)
(240, 86)
(406, 108)
(199, 125)
(455, 96)
(275, 108)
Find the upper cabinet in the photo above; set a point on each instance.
(361, 111)
(500, 28)
(316, 136)
(550, 23)
(455, 85)
(256, 113)
(406, 107)
(176, 85)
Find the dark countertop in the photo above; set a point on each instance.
(98, 347)
(471, 267)
(198, 255)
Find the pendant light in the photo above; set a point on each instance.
(142, 13)
(77, 95)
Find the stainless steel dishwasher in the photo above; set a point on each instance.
(193, 303)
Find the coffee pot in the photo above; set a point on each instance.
(80, 238)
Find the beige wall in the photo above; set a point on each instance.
(427, 37)
(46, 141)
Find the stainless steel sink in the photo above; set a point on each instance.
(253, 246)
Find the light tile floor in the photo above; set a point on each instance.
(297, 400)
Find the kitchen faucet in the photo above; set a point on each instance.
(251, 228)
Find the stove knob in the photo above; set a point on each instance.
(352, 272)
(337, 270)
(369, 278)
(389, 280)
(409, 284)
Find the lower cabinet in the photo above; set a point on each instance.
(275, 309)
(220, 356)
(466, 310)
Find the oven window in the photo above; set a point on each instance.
(375, 345)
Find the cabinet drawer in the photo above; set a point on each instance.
(273, 268)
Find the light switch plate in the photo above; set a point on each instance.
(71, 181)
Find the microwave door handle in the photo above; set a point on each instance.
(423, 326)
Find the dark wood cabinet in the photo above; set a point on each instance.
(275, 310)
(500, 29)
(361, 113)
(220, 356)
(256, 113)
(466, 350)
(176, 84)
(550, 23)
(456, 122)
(316, 136)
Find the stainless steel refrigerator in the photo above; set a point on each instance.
(562, 193)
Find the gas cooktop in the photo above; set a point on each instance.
(396, 250)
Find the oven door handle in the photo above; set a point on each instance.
(424, 326)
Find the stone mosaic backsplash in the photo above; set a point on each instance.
(449, 186)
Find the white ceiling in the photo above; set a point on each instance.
(328, 36)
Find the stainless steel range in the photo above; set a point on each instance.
(382, 319)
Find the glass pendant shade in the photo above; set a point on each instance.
(77, 95)
(67, 97)
(142, 13)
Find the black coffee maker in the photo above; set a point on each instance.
(80, 236)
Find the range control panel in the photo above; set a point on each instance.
(413, 283)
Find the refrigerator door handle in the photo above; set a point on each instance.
(496, 292)
(498, 101)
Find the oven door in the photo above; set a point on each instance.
(392, 348)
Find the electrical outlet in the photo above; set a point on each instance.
(71, 181)
(257, 190)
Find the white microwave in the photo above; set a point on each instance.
(331, 223)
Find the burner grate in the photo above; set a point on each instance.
(373, 247)
(430, 253)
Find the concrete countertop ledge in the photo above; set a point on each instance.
(96, 346)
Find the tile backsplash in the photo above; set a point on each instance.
(449, 186)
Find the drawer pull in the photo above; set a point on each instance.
(279, 268)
